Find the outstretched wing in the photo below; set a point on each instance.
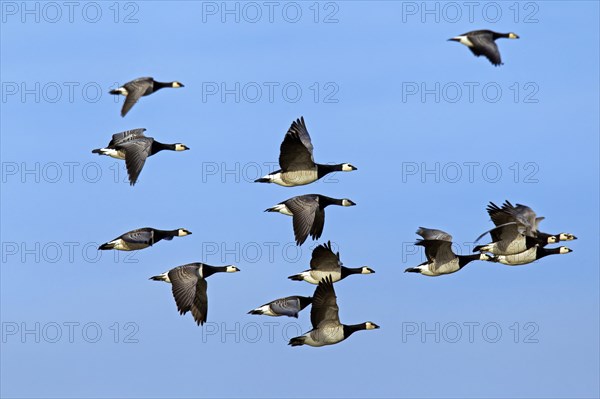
(433, 234)
(324, 306)
(184, 280)
(136, 152)
(438, 251)
(324, 259)
(486, 46)
(128, 135)
(135, 90)
(296, 151)
(304, 209)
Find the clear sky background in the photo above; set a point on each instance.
(98, 327)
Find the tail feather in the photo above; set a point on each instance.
(271, 209)
(97, 151)
(106, 246)
(255, 311)
(114, 91)
(158, 278)
(296, 277)
(262, 180)
(297, 341)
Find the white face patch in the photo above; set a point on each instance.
(180, 147)
(564, 250)
(183, 232)
(552, 240)
(346, 167)
(176, 85)
(484, 257)
(366, 270)
(347, 202)
(371, 326)
(232, 269)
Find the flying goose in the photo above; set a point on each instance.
(530, 255)
(525, 218)
(440, 257)
(308, 212)
(508, 240)
(142, 238)
(324, 263)
(483, 42)
(296, 160)
(189, 287)
(289, 306)
(138, 88)
(134, 147)
(324, 317)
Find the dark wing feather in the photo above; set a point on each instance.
(289, 306)
(184, 280)
(296, 151)
(498, 215)
(128, 135)
(324, 259)
(484, 44)
(439, 251)
(318, 224)
(505, 233)
(200, 306)
(524, 216)
(135, 90)
(324, 306)
(304, 209)
(433, 234)
(139, 236)
(136, 152)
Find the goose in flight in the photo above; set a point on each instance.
(134, 147)
(530, 255)
(327, 328)
(308, 213)
(508, 240)
(440, 257)
(483, 42)
(526, 220)
(138, 88)
(189, 287)
(142, 238)
(296, 160)
(289, 306)
(325, 262)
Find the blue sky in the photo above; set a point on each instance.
(379, 87)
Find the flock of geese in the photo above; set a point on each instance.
(515, 239)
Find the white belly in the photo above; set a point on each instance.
(522, 258)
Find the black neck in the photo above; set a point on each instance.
(326, 201)
(323, 169)
(160, 85)
(351, 329)
(541, 252)
(464, 260)
(531, 242)
(501, 35)
(305, 301)
(158, 146)
(161, 234)
(208, 270)
(346, 271)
